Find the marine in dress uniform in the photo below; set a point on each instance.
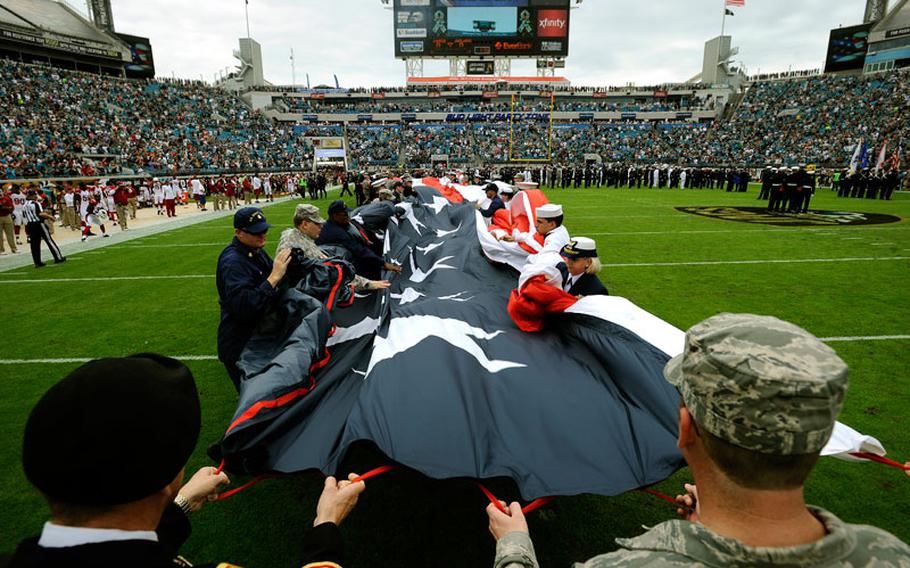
(583, 265)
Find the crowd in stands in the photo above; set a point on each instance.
(58, 123)
(374, 145)
(536, 104)
(784, 75)
(300, 105)
(65, 123)
(813, 120)
(425, 141)
(536, 87)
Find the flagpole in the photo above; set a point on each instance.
(246, 8)
(293, 70)
(723, 22)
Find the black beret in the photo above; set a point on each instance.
(113, 431)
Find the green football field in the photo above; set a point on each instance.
(845, 283)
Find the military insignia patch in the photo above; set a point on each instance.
(761, 216)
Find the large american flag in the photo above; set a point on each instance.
(736, 2)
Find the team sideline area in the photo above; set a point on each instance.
(156, 293)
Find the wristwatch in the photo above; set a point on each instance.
(183, 505)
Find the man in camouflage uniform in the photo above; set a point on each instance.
(759, 401)
(307, 226)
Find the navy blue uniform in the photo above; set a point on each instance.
(366, 262)
(244, 294)
(588, 285)
(495, 205)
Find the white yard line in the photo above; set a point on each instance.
(768, 261)
(181, 245)
(108, 278)
(670, 233)
(87, 359)
(864, 338)
(78, 247)
(617, 265)
(66, 360)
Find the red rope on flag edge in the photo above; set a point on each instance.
(880, 459)
(535, 504)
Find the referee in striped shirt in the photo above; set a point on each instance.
(34, 217)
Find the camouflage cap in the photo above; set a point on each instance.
(307, 212)
(760, 383)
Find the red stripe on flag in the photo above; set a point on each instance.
(736, 2)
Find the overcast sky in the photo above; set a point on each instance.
(613, 42)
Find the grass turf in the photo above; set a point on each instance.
(406, 519)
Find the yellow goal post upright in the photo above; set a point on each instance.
(549, 157)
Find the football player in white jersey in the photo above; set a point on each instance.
(267, 187)
(108, 202)
(158, 192)
(198, 193)
(18, 203)
(257, 187)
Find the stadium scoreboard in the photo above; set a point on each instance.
(847, 48)
(472, 28)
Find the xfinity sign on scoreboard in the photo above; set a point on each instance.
(497, 28)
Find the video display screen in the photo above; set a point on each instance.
(142, 65)
(847, 48)
(505, 28)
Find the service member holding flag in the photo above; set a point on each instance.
(759, 399)
(115, 483)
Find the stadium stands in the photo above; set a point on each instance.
(66, 123)
(813, 119)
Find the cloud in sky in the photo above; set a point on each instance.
(613, 42)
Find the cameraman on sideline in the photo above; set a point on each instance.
(247, 281)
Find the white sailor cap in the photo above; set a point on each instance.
(507, 190)
(580, 247)
(527, 185)
(549, 211)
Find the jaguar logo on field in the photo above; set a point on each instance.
(761, 216)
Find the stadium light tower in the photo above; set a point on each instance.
(875, 10)
(101, 14)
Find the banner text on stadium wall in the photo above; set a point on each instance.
(496, 116)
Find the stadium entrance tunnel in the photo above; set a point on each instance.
(761, 216)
